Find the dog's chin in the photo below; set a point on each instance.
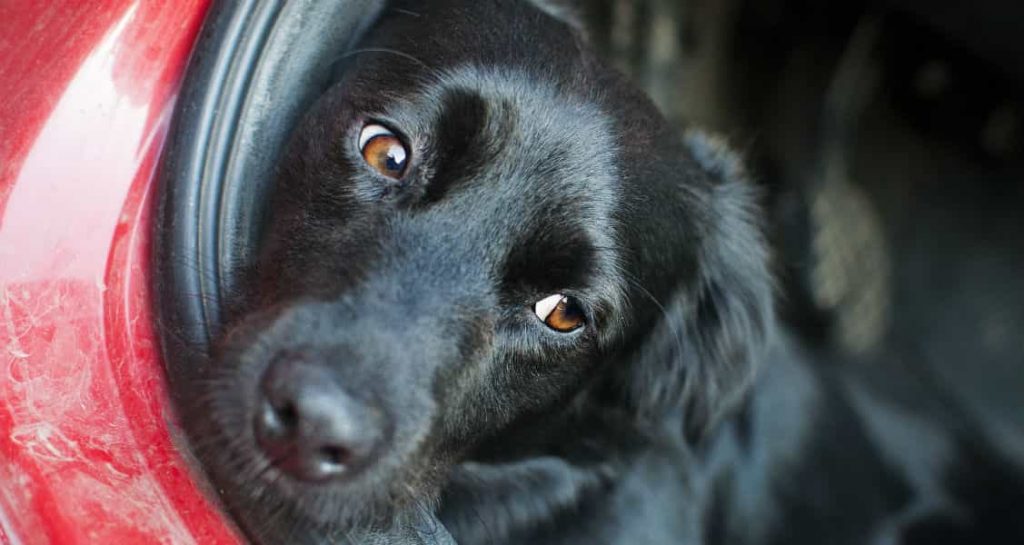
(260, 493)
(257, 490)
(365, 500)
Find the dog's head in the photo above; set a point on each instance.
(479, 224)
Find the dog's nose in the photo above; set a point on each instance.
(310, 427)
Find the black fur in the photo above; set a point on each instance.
(536, 170)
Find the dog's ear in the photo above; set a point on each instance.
(703, 354)
(730, 320)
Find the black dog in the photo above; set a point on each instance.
(502, 300)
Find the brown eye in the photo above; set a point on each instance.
(560, 312)
(383, 151)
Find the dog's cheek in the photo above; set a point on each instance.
(508, 387)
(322, 258)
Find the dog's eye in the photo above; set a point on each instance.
(383, 151)
(560, 312)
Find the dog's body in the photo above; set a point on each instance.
(527, 168)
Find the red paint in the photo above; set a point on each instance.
(86, 453)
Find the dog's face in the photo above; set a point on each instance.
(473, 228)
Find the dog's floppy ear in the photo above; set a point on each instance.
(704, 352)
(732, 316)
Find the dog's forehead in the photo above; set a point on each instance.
(543, 164)
(533, 143)
(535, 112)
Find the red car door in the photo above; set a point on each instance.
(87, 442)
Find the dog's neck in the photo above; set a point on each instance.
(490, 503)
(521, 494)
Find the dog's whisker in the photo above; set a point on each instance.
(386, 51)
(668, 319)
(406, 12)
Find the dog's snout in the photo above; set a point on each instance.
(310, 427)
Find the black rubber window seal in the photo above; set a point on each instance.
(256, 67)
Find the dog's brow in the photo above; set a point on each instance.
(461, 146)
(555, 254)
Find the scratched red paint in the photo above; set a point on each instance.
(86, 453)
